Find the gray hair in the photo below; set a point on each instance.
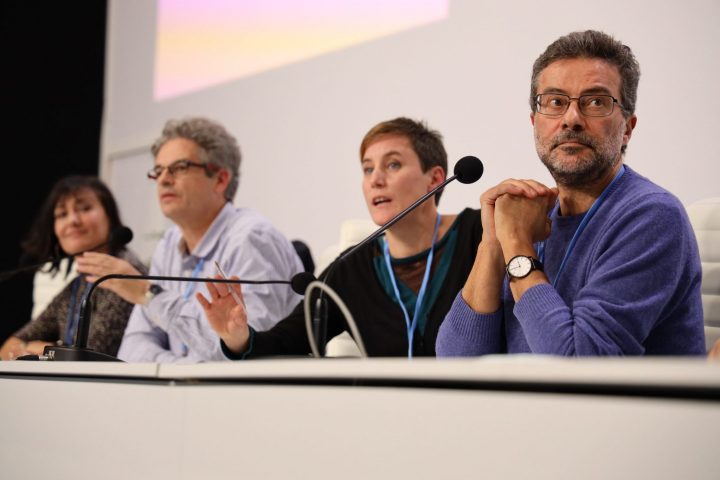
(217, 146)
(593, 44)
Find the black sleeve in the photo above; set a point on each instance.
(289, 336)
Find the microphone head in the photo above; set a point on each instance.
(468, 169)
(300, 282)
(121, 236)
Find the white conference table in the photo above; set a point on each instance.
(493, 417)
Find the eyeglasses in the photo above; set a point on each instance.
(179, 167)
(556, 104)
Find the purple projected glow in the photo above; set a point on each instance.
(201, 43)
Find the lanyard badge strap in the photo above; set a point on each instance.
(411, 325)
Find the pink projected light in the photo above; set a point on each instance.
(201, 43)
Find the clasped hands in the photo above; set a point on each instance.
(516, 211)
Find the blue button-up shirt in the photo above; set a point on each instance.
(172, 327)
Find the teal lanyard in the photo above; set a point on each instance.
(411, 325)
(586, 219)
(72, 317)
(196, 272)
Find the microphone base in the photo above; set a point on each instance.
(76, 354)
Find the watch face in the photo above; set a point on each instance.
(519, 267)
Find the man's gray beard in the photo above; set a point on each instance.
(590, 168)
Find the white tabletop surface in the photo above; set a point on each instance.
(645, 371)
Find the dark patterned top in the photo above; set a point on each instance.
(110, 314)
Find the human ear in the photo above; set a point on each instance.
(629, 127)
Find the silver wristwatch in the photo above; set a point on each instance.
(152, 291)
(520, 266)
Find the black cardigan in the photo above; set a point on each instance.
(379, 319)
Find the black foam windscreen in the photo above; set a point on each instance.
(300, 282)
(121, 236)
(468, 169)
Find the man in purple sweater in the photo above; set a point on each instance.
(604, 264)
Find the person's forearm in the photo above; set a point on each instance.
(132, 291)
(483, 287)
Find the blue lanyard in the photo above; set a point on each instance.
(583, 223)
(72, 317)
(191, 285)
(421, 294)
(188, 292)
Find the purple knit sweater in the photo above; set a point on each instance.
(630, 287)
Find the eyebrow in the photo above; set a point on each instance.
(589, 91)
(175, 161)
(388, 154)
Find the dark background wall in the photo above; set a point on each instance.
(51, 96)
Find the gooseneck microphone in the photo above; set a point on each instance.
(79, 351)
(119, 237)
(468, 169)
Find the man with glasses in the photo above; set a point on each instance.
(196, 170)
(604, 264)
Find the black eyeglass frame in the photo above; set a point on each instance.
(180, 166)
(615, 101)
